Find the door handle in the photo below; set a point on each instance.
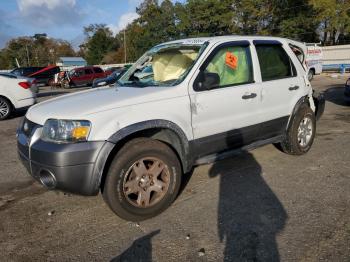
(292, 88)
(249, 96)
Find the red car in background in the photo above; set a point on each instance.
(82, 76)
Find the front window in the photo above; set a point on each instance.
(164, 65)
(233, 66)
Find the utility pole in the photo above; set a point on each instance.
(124, 47)
(17, 62)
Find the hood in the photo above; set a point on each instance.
(80, 105)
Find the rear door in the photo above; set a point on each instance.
(99, 73)
(281, 86)
(89, 75)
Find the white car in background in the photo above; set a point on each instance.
(314, 58)
(15, 92)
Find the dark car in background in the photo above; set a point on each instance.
(46, 75)
(26, 71)
(347, 92)
(110, 79)
(42, 75)
(82, 76)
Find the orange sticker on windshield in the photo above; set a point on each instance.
(231, 60)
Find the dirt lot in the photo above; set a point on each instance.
(264, 205)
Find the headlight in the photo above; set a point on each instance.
(65, 131)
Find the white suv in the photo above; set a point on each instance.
(205, 98)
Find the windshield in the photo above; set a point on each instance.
(164, 65)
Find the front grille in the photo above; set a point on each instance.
(28, 127)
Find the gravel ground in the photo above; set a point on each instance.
(259, 206)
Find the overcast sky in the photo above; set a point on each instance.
(62, 19)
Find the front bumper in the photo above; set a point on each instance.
(75, 168)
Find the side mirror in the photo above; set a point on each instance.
(206, 81)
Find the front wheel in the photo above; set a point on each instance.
(65, 84)
(143, 180)
(301, 133)
(5, 108)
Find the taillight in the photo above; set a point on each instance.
(25, 85)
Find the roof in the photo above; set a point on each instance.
(214, 39)
(72, 59)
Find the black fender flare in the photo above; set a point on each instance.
(302, 101)
(112, 142)
(163, 124)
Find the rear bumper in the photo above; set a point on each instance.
(320, 103)
(75, 168)
(27, 102)
(347, 93)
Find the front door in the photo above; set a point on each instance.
(225, 116)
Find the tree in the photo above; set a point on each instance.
(334, 19)
(99, 42)
(204, 18)
(34, 51)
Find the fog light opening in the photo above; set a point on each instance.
(47, 179)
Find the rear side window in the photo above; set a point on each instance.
(88, 72)
(233, 65)
(274, 62)
(98, 70)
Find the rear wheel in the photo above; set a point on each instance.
(5, 108)
(143, 180)
(301, 133)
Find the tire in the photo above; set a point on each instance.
(310, 75)
(6, 108)
(65, 84)
(299, 138)
(139, 154)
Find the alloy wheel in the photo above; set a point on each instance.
(146, 182)
(305, 131)
(4, 109)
